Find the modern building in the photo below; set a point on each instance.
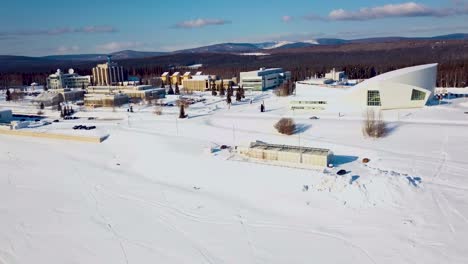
(337, 76)
(60, 80)
(109, 73)
(264, 79)
(283, 154)
(404, 88)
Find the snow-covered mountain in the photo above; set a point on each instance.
(285, 44)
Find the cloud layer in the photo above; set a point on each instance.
(408, 9)
(286, 19)
(59, 31)
(201, 22)
(118, 46)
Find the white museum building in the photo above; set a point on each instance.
(404, 88)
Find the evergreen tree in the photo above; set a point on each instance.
(41, 106)
(182, 111)
(222, 92)
(170, 91)
(238, 95)
(8, 95)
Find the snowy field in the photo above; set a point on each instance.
(152, 193)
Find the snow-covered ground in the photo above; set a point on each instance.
(152, 193)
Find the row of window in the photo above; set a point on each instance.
(309, 102)
(373, 97)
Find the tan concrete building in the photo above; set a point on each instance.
(195, 85)
(143, 92)
(105, 100)
(283, 154)
(108, 73)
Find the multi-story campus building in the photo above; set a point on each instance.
(60, 80)
(264, 79)
(109, 73)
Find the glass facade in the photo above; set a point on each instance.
(373, 98)
(417, 95)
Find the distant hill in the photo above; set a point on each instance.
(222, 48)
(86, 61)
(119, 55)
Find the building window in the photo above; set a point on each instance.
(373, 98)
(417, 95)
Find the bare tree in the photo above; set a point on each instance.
(286, 126)
(373, 125)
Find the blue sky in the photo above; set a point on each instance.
(35, 28)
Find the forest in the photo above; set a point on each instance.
(359, 61)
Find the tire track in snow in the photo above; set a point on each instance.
(435, 191)
(314, 232)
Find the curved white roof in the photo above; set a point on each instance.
(404, 71)
(423, 76)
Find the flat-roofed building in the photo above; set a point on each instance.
(105, 100)
(195, 85)
(134, 92)
(284, 154)
(61, 80)
(56, 96)
(264, 79)
(336, 76)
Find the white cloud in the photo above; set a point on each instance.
(59, 31)
(201, 22)
(118, 46)
(408, 9)
(286, 19)
(67, 50)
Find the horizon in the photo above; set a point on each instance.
(157, 27)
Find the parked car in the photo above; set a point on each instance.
(56, 121)
(341, 172)
(314, 118)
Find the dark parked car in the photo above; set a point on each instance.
(341, 172)
(56, 121)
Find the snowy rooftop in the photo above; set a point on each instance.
(396, 73)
